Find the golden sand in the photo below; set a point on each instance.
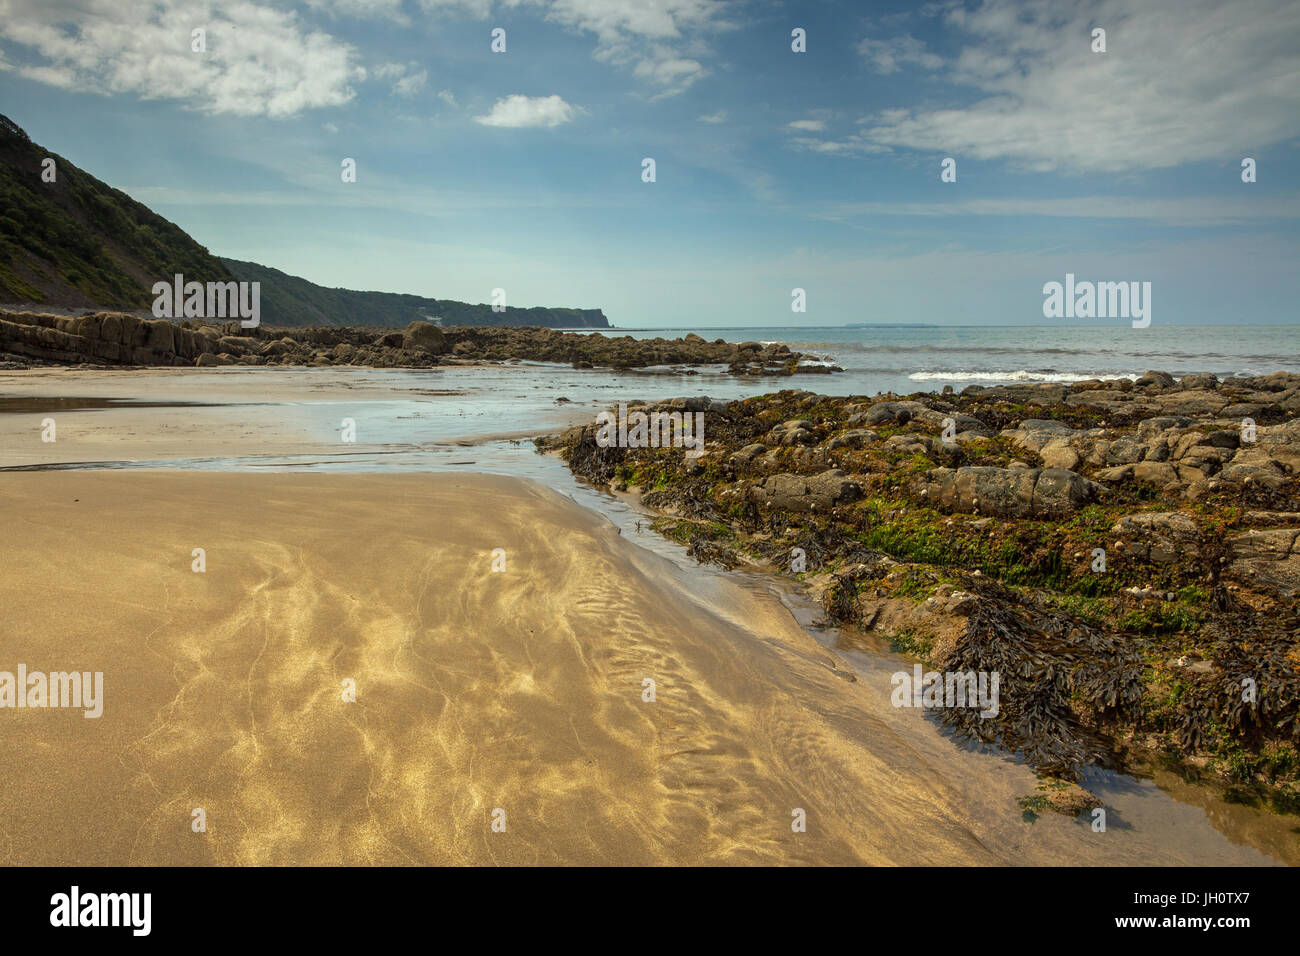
(477, 691)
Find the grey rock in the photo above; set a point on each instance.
(853, 438)
(1160, 379)
(801, 493)
(1269, 559)
(1020, 493)
(1202, 381)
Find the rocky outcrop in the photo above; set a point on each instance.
(107, 338)
(124, 339)
(812, 493)
(1165, 557)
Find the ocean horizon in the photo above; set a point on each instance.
(905, 359)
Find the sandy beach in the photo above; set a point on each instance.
(475, 690)
(160, 414)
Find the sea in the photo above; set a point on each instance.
(913, 358)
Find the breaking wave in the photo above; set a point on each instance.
(1020, 376)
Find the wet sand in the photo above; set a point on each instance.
(231, 412)
(476, 690)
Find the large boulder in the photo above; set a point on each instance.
(1195, 403)
(161, 336)
(806, 493)
(1038, 393)
(1159, 379)
(799, 432)
(1035, 434)
(1158, 473)
(237, 344)
(424, 336)
(1204, 381)
(1268, 558)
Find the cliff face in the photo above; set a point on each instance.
(68, 240)
(77, 242)
(291, 301)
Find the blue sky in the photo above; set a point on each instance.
(775, 170)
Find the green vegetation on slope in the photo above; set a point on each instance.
(289, 300)
(79, 242)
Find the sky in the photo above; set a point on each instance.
(775, 169)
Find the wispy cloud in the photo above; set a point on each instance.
(891, 55)
(1175, 85)
(663, 42)
(1200, 212)
(407, 78)
(411, 84)
(845, 145)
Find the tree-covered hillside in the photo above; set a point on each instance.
(289, 300)
(78, 242)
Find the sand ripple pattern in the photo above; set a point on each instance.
(476, 690)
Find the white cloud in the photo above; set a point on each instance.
(411, 84)
(889, 56)
(406, 79)
(848, 145)
(259, 60)
(448, 97)
(852, 144)
(1177, 85)
(518, 110)
(662, 41)
(673, 73)
(329, 127)
(719, 117)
